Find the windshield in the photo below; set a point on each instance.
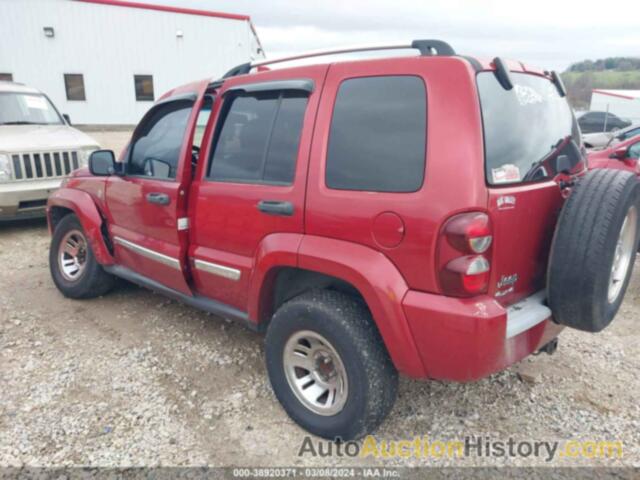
(27, 109)
(530, 132)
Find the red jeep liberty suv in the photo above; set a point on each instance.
(428, 215)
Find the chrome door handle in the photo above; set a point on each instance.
(271, 207)
(158, 198)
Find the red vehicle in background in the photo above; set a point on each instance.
(623, 156)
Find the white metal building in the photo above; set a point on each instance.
(105, 61)
(623, 103)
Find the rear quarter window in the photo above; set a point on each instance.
(377, 138)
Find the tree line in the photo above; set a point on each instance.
(610, 63)
(609, 73)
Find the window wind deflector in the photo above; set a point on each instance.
(215, 85)
(304, 85)
(185, 97)
(502, 74)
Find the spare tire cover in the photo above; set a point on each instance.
(593, 249)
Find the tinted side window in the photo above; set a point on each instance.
(634, 151)
(203, 119)
(377, 139)
(283, 149)
(593, 118)
(258, 141)
(156, 149)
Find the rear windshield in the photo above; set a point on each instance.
(530, 132)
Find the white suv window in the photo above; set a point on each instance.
(26, 109)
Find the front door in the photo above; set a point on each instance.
(147, 205)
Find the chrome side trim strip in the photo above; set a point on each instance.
(151, 254)
(526, 314)
(219, 270)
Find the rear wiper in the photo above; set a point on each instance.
(555, 149)
(21, 122)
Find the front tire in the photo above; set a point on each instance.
(73, 266)
(328, 365)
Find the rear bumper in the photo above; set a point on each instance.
(467, 339)
(25, 199)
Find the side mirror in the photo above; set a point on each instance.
(102, 163)
(67, 118)
(619, 153)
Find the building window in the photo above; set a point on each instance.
(6, 77)
(144, 88)
(74, 85)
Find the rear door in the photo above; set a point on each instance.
(252, 180)
(532, 143)
(147, 205)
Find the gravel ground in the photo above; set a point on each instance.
(133, 379)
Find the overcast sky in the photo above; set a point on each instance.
(548, 34)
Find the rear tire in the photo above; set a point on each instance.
(327, 322)
(73, 266)
(594, 249)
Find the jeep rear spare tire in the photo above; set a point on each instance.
(594, 249)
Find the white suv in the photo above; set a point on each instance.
(38, 149)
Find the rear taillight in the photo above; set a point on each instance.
(464, 254)
(469, 232)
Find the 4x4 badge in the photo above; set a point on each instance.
(506, 201)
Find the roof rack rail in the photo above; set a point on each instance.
(426, 48)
